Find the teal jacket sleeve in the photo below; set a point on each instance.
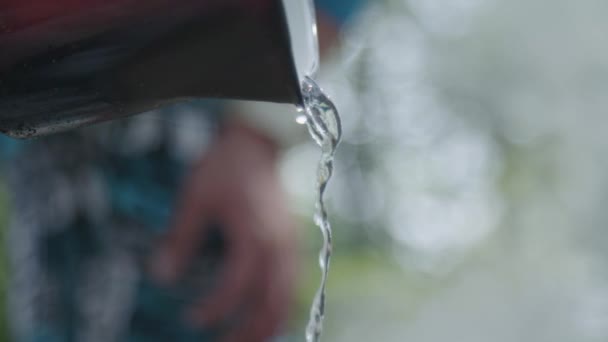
(9, 147)
(340, 10)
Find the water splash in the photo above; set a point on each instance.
(324, 126)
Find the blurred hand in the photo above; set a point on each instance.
(236, 184)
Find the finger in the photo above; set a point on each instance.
(268, 311)
(238, 273)
(185, 236)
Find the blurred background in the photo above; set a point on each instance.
(468, 198)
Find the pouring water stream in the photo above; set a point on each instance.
(324, 126)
